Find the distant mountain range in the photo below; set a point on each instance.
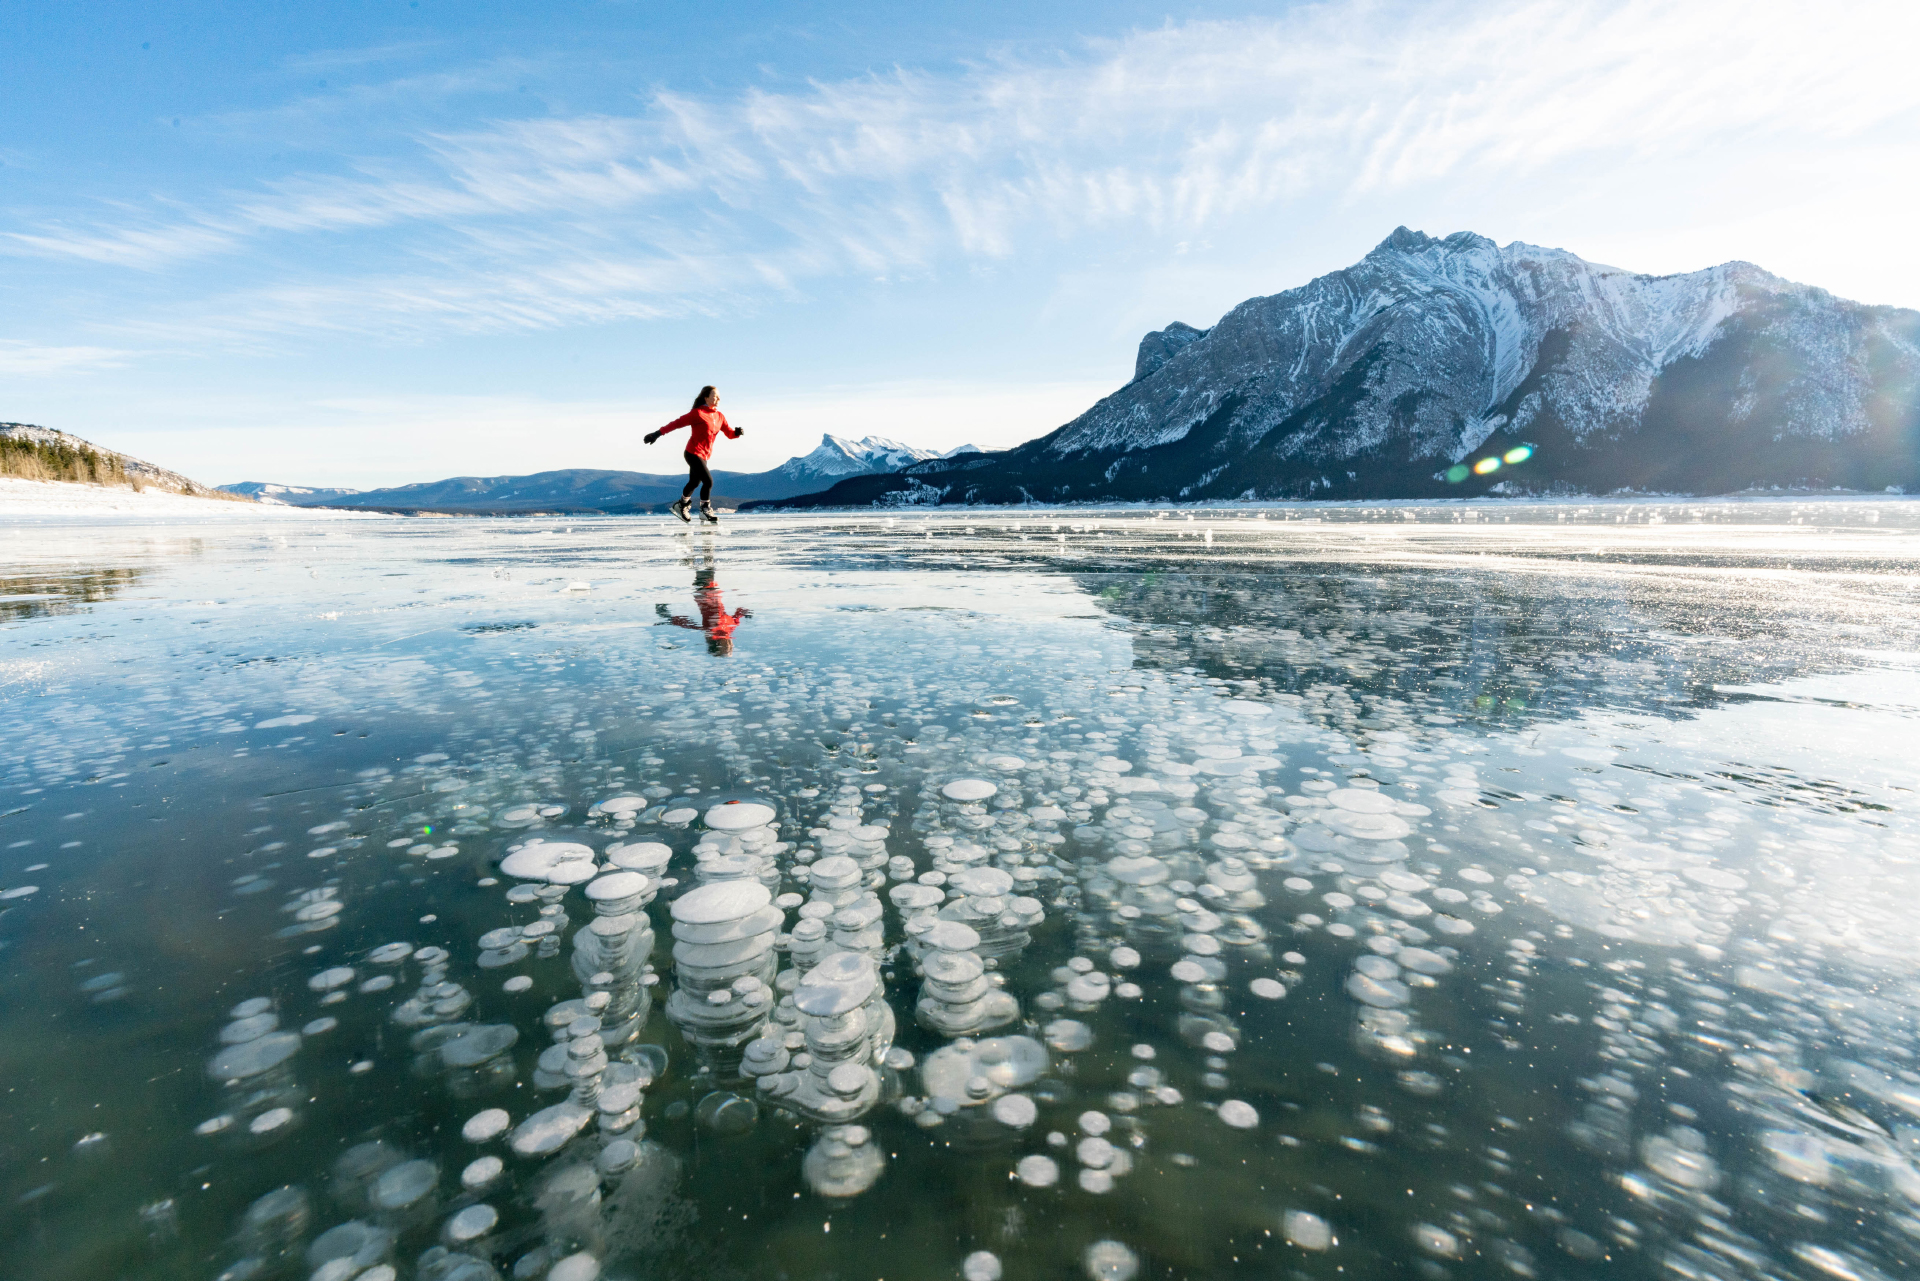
(585, 490)
(287, 495)
(1456, 367)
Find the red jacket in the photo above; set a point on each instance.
(714, 618)
(705, 423)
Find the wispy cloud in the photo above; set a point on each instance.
(26, 358)
(700, 205)
(366, 56)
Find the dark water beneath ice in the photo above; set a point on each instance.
(1581, 840)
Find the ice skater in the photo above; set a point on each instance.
(704, 421)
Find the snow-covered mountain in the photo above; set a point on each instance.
(1457, 366)
(286, 495)
(836, 456)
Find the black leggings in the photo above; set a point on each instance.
(697, 474)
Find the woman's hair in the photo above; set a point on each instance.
(705, 393)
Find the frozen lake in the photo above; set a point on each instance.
(1375, 891)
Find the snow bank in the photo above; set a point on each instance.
(34, 498)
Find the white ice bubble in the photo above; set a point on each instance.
(1381, 994)
(1421, 961)
(720, 901)
(981, 1265)
(327, 980)
(1110, 1261)
(1436, 1241)
(484, 1125)
(1267, 989)
(1016, 1110)
(270, 1120)
(481, 1173)
(1680, 1156)
(575, 1267)
(739, 816)
(518, 983)
(1367, 827)
(1069, 1036)
(1239, 1114)
(1715, 878)
(404, 1185)
(549, 1129)
(473, 1222)
(247, 1029)
(969, 789)
(1307, 1230)
(262, 1054)
(557, 862)
(1037, 1171)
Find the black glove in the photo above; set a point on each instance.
(651, 436)
(739, 432)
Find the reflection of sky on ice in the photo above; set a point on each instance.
(1465, 890)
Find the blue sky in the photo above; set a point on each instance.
(368, 243)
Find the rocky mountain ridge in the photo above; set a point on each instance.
(1452, 367)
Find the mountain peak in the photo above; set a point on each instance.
(837, 456)
(1162, 345)
(1452, 366)
(1407, 241)
(1404, 240)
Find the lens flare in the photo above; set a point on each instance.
(1486, 465)
(1518, 454)
(1457, 473)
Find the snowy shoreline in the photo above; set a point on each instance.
(53, 498)
(36, 499)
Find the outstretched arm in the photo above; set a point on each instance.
(684, 420)
(733, 433)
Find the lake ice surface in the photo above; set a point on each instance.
(1437, 891)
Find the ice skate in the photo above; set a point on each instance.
(680, 506)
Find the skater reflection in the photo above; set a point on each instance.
(715, 621)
